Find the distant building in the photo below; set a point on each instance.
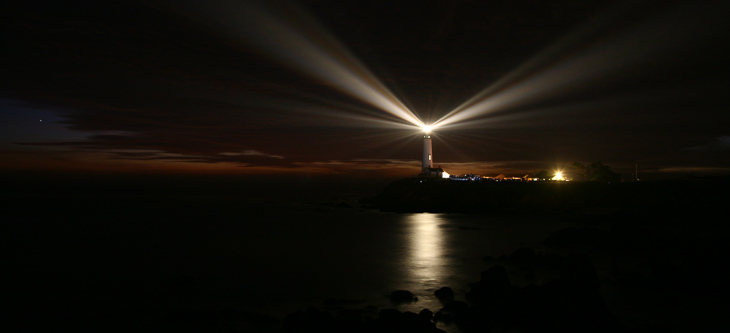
(503, 178)
(466, 177)
(435, 172)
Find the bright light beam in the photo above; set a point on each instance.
(531, 66)
(301, 43)
(538, 80)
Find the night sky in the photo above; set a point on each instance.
(298, 88)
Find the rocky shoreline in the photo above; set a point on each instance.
(643, 258)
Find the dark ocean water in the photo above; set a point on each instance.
(103, 256)
(216, 254)
(300, 256)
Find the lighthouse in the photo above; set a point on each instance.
(427, 151)
(427, 169)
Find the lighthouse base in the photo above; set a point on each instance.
(434, 173)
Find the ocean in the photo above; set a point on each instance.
(220, 254)
(113, 255)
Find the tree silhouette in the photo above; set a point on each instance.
(582, 170)
(544, 175)
(597, 171)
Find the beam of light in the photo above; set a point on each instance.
(536, 117)
(356, 116)
(540, 60)
(298, 41)
(550, 75)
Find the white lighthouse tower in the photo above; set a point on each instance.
(427, 169)
(427, 152)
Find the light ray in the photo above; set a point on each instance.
(542, 59)
(301, 43)
(547, 76)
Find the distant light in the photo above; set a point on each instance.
(427, 129)
(558, 176)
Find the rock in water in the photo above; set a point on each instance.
(444, 294)
(402, 296)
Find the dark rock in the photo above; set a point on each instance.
(249, 317)
(371, 309)
(579, 273)
(523, 256)
(389, 320)
(396, 322)
(576, 238)
(311, 320)
(491, 295)
(473, 320)
(402, 296)
(340, 302)
(553, 262)
(444, 295)
(455, 306)
(348, 320)
(226, 318)
(389, 314)
(369, 324)
(426, 314)
(343, 205)
(495, 277)
(442, 317)
(450, 311)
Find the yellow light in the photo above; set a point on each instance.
(427, 129)
(558, 176)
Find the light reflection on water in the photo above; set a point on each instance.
(425, 250)
(294, 259)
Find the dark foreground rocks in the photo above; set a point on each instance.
(223, 320)
(402, 297)
(388, 320)
(444, 295)
(568, 302)
(571, 302)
